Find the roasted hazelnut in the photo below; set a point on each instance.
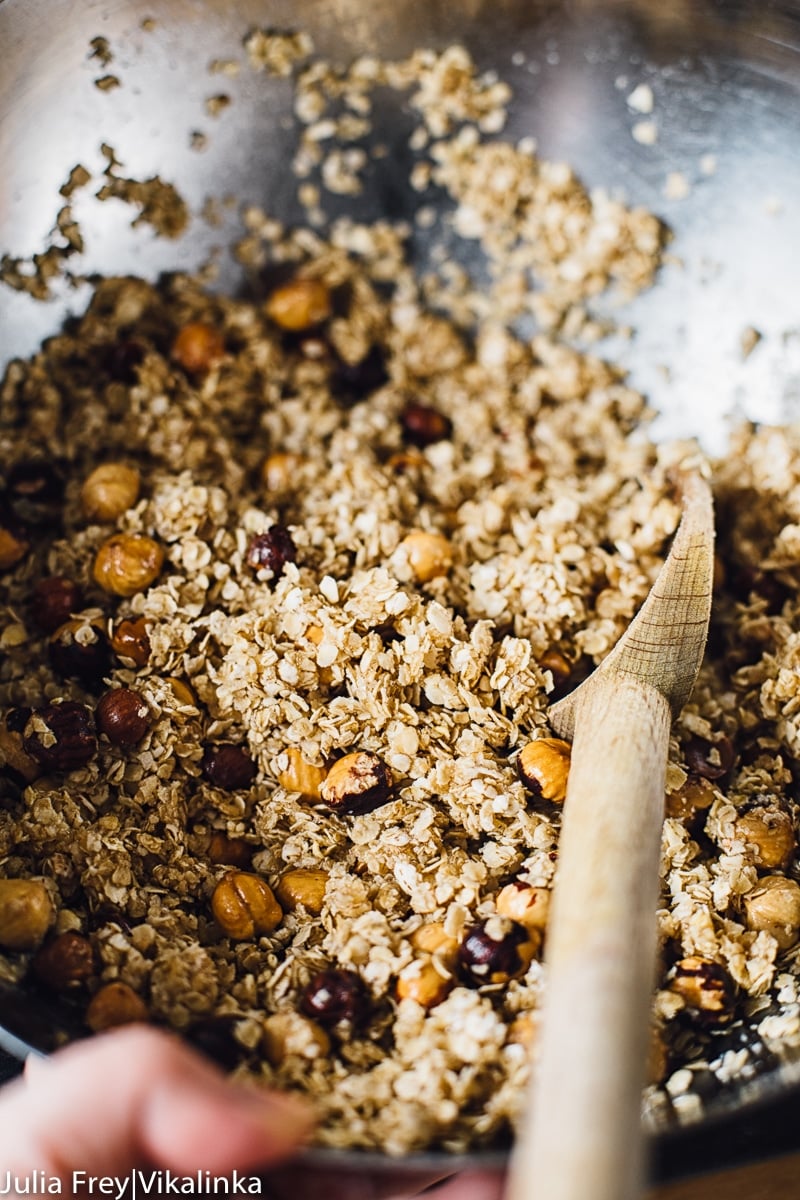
(53, 602)
(279, 472)
(115, 1004)
(127, 563)
(352, 382)
(26, 913)
(65, 962)
(229, 852)
(35, 491)
(357, 784)
(773, 906)
(79, 649)
(130, 642)
(228, 766)
(495, 951)
(706, 987)
(60, 736)
(244, 906)
(302, 886)
(423, 425)
(14, 759)
(110, 491)
(299, 304)
(543, 767)
(271, 551)
(335, 995)
(15, 540)
(290, 1035)
(768, 832)
(434, 939)
(122, 716)
(298, 775)
(692, 797)
(711, 760)
(559, 667)
(198, 347)
(184, 695)
(429, 555)
(528, 905)
(422, 982)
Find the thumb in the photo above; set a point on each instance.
(138, 1097)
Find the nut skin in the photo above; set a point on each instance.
(80, 650)
(61, 736)
(115, 1004)
(710, 760)
(127, 563)
(229, 852)
(301, 776)
(768, 832)
(421, 982)
(773, 906)
(110, 490)
(17, 764)
(706, 987)
(228, 766)
(423, 425)
(279, 471)
(65, 962)
(271, 551)
(53, 602)
(130, 642)
(333, 996)
(528, 905)
(299, 304)
(290, 1035)
(543, 767)
(122, 716)
(429, 555)
(26, 913)
(198, 347)
(245, 907)
(302, 886)
(495, 951)
(357, 784)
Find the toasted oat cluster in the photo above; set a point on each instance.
(287, 589)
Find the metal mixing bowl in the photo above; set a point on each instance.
(726, 81)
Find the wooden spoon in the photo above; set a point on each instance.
(581, 1136)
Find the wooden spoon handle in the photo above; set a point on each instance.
(581, 1136)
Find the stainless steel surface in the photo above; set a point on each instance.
(726, 82)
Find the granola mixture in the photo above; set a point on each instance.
(288, 586)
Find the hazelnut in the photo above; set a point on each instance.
(228, 766)
(302, 886)
(496, 950)
(434, 939)
(110, 491)
(543, 766)
(53, 602)
(559, 667)
(115, 1004)
(26, 913)
(299, 775)
(279, 472)
(14, 539)
(198, 347)
(79, 649)
(694, 796)
(357, 784)
(352, 382)
(524, 1029)
(184, 695)
(422, 982)
(773, 905)
(429, 555)
(290, 1035)
(423, 425)
(229, 852)
(35, 491)
(14, 759)
(127, 563)
(706, 987)
(130, 642)
(711, 760)
(271, 551)
(769, 832)
(299, 304)
(60, 736)
(530, 906)
(405, 461)
(65, 962)
(335, 995)
(244, 906)
(122, 716)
